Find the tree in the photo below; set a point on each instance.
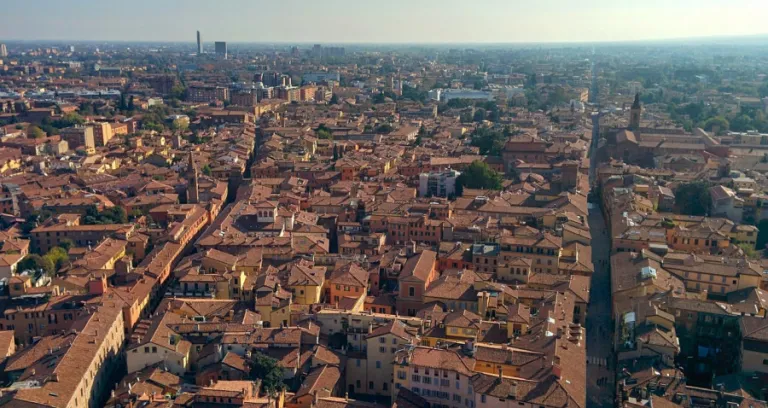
(66, 244)
(749, 251)
(131, 107)
(180, 124)
(693, 198)
(30, 262)
(479, 115)
(335, 152)
(334, 99)
(206, 170)
(178, 92)
(58, 256)
(324, 134)
(479, 175)
(762, 234)
(384, 128)
(490, 141)
(267, 369)
(34, 132)
(717, 121)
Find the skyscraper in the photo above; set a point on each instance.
(199, 44)
(221, 49)
(3, 51)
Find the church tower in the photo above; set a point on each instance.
(634, 115)
(193, 192)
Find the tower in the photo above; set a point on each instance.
(199, 44)
(193, 192)
(634, 113)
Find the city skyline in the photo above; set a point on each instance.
(429, 21)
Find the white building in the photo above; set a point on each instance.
(439, 184)
(434, 94)
(463, 93)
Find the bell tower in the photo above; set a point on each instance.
(193, 192)
(634, 113)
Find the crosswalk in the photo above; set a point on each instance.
(598, 361)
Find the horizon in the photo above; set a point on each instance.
(351, 22)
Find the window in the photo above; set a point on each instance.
(482, 398)
(378, 364)
(401, 375)
(427, 380)
(415, 378)
(357, 363)
(382, 340)
(370, 385)
(411, 292)
(384, 386)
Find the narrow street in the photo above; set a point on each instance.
(600, 374)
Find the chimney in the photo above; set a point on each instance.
(501, 375)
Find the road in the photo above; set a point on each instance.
(600, 374)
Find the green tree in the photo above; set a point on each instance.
(324, 134)
(490, 141)
(178, 92)
(34, 132)
(180, 125)
(30, 262)
(717, 121)
(479, 175)
(206, 170)
(66, 244)
(480, 115)
(58, 256)
(693, 198)
(762, 234)
(384, 128)
(334, 99)
(267, 369)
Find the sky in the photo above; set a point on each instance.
(376, 21)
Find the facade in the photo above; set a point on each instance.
(221, 49)
(438, 184)
(207, 93)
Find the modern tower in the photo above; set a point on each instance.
(3, 51)
(221, 49)
(199, 44)
(193, 189)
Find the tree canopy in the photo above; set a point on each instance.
(267, 369)
(490, 141)
(693, 198)
(479, 175)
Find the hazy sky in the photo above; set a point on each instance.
(390, 21)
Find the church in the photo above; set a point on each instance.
(665, 148)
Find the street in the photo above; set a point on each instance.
(600, 374)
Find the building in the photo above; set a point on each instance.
(448, 94)
(102, 133)
(318, 77)
(79, 136)
(79, 373)
(440, 184)
(246, 97)
(3, 51)
(199, 43)
(221, 49)
(207, 93)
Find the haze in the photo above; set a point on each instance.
(393, 21)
